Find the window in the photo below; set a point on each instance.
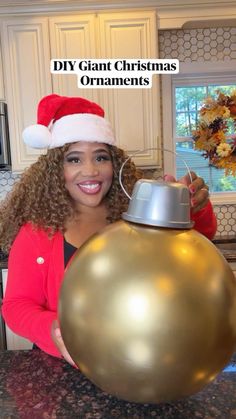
(182, 97)
(188, 101)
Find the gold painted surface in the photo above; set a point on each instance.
(148, 314)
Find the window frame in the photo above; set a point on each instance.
(193, 73)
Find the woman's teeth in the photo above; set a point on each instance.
(93, 186)
(90, 187)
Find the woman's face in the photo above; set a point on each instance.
(88, 172)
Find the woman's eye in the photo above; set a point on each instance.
(72, 159)
(104, 157)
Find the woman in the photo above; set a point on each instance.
(64, 198)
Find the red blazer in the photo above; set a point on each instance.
(35, 274)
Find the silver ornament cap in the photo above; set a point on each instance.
(160, 204)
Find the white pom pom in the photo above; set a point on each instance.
(37, 136)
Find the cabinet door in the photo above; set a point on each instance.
(72, 37)
(233, 267)
(134, 113)
(2, 91)
(13, 341)
(27, 77)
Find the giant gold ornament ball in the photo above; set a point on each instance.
(149, 314)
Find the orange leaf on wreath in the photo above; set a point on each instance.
(232, 109)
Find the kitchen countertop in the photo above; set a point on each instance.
(36, 385)
(3, 264)
(3, 260)
(227, 246)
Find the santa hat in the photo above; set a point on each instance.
(62, 120)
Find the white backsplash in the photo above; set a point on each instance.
(7, 180)
(205, 44)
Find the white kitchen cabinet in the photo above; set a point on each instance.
(27, 78)
(134, 113)
(72, 37)
(233, 267)
(2, 91)
(13, 340)
(30, 42)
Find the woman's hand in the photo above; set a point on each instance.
(199, 191)
(57, 339)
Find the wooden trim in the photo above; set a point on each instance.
(172, 14)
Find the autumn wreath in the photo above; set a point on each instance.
(211, 135)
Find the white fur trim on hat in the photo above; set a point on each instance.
(68, 129)
(81, 127)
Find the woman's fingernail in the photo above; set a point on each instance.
(169, 178)
(58, 332)
(192, 189)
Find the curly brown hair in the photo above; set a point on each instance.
(40, 196)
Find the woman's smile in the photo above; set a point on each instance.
(90, 187)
